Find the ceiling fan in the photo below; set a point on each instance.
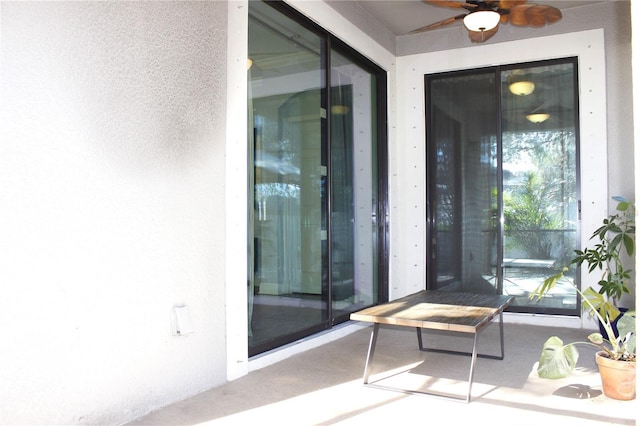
(484, 16)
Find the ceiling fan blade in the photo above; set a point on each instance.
(533, 15)
(508, 4)
(438, 24)
(482, 36)
(551, 14)
(536, 16)
(451, 3)
(518, 15)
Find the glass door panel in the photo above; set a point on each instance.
(287, 292)
(353, 187)
(463, 182)
(540, 182)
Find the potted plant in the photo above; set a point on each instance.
(615, 241)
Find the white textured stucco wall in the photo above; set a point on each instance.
(112, 163)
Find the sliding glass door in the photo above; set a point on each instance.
(314, 137)
(503, 180)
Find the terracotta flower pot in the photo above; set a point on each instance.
(618, 377)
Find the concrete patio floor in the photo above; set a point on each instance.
(323, 385)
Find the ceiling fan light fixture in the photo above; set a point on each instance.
(538, 117)
(481, 20)
(522, 88)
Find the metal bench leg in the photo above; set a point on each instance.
(474, 353)
(474, 356)
(452, 352)
(372, 348)
(501, 337)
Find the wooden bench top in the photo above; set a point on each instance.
(438, 310)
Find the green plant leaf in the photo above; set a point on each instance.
(547, 285)
(610, 311)
(597, 300)
(627, 330)
(623, 203)
(595, 338)
(557, 361)
(629, 244)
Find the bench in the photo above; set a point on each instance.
(438, 310)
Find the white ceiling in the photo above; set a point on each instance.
(402, 16)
